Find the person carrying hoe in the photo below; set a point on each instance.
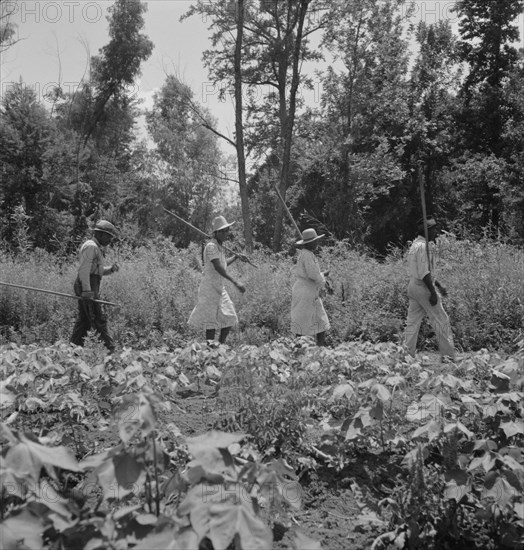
(308, 316)
(423, 296)
(91, 269)
(214, 309)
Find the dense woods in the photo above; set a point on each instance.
(389, 94)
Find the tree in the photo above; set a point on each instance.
(118, 63)
(357, 180)
(282, 31)
(30, 152)
(512, 188)
(188, 156)
(239, 125)
(100, 115)
(275, 44)
(7, 27)
(487, 29)
(435, 79)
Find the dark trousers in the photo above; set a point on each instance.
(90, 316)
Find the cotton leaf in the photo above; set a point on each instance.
(510, 368)
(511, 463)
(377, 412)
(432, 429)
(22, 531)
(136, 413)
(411, 458)
(7, 398)
(460, 427)
(146, 519)
(485, 445)
(120, 477)
(61, 457)
(500, 491)
(303, 542)
(343, 390)
(23, 463)
(455, 491)
(214, 439)
(213, 372)
(127, 469)
(511, 397)
(395, 381)
(487, 461)
(353, 431)
(381, 392)
(512, 428)
(459, 476)
(500, 380)
(46, 494)
(228, 519)
(429, 406)
(470, 402)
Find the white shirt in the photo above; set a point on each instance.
(418, 259)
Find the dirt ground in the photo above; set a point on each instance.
(330, 513)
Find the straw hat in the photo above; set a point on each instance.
(220, 223)
(308, 236)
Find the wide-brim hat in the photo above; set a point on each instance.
(309, 236)
(220, 223)
(106, 227)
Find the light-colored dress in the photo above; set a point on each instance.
(308, 316)
(214, 308)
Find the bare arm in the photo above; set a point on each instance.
(221, 271)
(108, 270)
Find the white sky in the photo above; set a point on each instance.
(54, 34)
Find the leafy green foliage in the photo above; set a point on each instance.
(450, 436)
(154, 486)
(191, 187)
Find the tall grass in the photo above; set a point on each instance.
(157, 285)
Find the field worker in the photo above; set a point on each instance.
(423, 297)
(308, 317)
(214, 309)
(91, 269)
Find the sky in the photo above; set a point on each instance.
(56, 39)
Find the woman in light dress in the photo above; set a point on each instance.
(308, 316)
(214, 309)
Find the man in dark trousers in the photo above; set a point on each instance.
(90, 272)
(423, 297)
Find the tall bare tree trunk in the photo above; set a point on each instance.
(288, 123)
(239, 129)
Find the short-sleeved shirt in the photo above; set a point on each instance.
(91, 262)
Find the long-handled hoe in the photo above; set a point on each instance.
(203, 234)
(45, 291)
